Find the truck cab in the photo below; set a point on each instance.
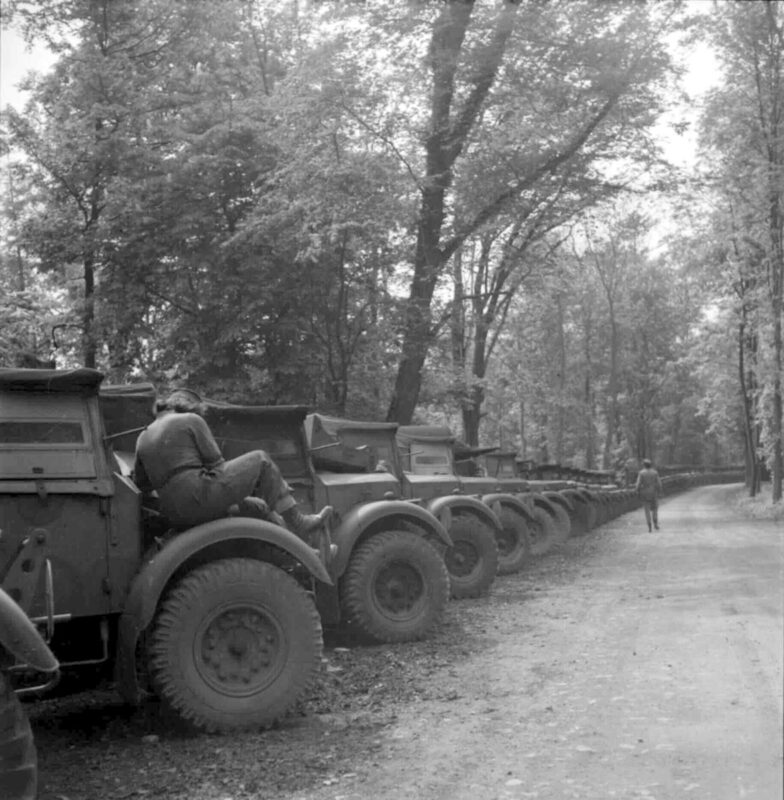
(366, 450)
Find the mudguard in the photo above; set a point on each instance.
(559, 498)
(540, 501)
(358, 519)
(151, 580)
(589, 495)
(510, 501)
(442, 507)
(21, 639)
(575, 496)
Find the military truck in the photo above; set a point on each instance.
(544, 529)
(217, 620)
(427, 456)
(389, 582)
(577, 499)
(549, 497)
(344, 450)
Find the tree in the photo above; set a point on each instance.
(592, 82)
(79, 129)
(744, 127)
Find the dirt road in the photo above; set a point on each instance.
(625, 664)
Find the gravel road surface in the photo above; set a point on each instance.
(622, 664)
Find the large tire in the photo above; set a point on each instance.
(583, 516)
(395, 587)
(514, 546)
(18, 758)
(563, 523)
(472, 561)
(542, 532)
(592, 512)
(234, 645)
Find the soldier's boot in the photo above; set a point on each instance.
(250, 507)
(304, 524)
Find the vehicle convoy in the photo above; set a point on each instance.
(550, 520)
(359, 451)
(548, 498)
(217, 620)
(577, 499)
(427, 457)
(389, 582)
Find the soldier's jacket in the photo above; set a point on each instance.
(649, 485)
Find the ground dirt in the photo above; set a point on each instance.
(622, 664)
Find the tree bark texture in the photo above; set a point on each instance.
(449, 130)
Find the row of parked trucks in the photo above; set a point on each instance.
(223, 622)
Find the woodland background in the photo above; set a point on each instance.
(450, 212)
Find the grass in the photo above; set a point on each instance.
(761, 506)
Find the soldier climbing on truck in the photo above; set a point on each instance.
(178, 457)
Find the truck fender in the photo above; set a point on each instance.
(358, 519)
(151, 580)
(559, 499)
(588, 495)
(21, 639)
(574, 496)
(537, 500)
(510, 501)
(444, 507)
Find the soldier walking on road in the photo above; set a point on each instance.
(649, 487)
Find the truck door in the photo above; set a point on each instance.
(55, 493)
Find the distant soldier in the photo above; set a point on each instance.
(649, 487)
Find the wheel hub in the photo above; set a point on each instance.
(506, 542)
(398, 588)
(461, 559)
(536, 531)
(239, 650)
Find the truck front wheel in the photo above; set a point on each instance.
(472, 560)
(234, 645)
(18, 758)
(543, 532)
(514, 546)
(395, 587)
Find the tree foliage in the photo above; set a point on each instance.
(381, 210)
(743, 127)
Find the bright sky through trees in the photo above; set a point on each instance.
(17, 59)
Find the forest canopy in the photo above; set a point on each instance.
(420, 211)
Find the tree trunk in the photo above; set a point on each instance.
(778, 414)
(560, 422)
(523, 438)
(771, 118)
(588, 397)
(89, 344)
(612, 389)
(472, 404)
(448, 132)
(748, 420)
